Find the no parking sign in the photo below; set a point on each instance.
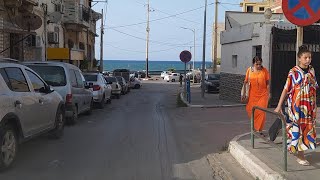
(301, 12)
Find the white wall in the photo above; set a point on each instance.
(241, 41)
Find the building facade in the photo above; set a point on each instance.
(61, 30)
(261, 5)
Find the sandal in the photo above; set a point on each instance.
(303, 162)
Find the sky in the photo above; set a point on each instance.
(125, 28)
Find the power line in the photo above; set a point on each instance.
(174, 15)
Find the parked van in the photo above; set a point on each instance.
(69, 82)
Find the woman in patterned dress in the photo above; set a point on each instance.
(300, 88)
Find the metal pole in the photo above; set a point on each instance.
(45, 9)
(215, 37)
(284, 145)
(194, 53)
(299, 41)
(147, 43)
(185, 80)
(204, 50)
(101, 44)
(252, 127)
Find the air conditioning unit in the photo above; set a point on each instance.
(59, 8)
(53, 38)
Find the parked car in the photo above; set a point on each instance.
(135, 83)
(101, 90)
(116, 87)
(124, 85)
(125, 74)
(29, 107)
(164, 73)
(69, 82)
(173, 77)
(212, 82)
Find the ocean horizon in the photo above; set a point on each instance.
(140, 65)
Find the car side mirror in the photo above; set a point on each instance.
(46, 89)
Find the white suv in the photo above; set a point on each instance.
(29, 107)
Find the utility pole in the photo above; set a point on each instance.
(215, 43)
(45, 14)
(147, 43)
(204, 50)
(101, 44)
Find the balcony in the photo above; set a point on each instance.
(76, 16)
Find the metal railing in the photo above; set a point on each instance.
(284, 135)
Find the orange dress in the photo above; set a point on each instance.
(258, 95)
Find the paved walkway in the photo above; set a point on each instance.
(264, 162)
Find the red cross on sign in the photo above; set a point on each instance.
(185, 56)
(301, 12)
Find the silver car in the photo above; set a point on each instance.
(69, 82)
(101, 90)
(29, 107)
(116, 87)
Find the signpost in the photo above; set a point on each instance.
(301, 13)
(185, 57)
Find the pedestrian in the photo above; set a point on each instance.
(180, 80)
(300, 89)
(258, 78)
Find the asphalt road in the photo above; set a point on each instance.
(141, 136)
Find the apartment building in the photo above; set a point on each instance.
(261, 5)
(61, 30)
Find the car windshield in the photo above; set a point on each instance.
(213, 77)
(90, 77)
(111, 79)
(53, 75)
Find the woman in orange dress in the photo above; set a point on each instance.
(258, 78)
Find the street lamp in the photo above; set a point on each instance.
(194, 49)
(204, 49)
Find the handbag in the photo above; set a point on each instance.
(246, 88)
(277, 126)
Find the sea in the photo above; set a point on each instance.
(158, 66)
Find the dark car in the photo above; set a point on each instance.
(212, 82)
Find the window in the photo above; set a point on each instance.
(35, 81)
(261, 8)
(111, 79)
(80, 83)
(17, 80)
(91, 77)
(258, 50)
(73, 78)
(5, 77)
(53, 75)
(234, 61)
(249, 8)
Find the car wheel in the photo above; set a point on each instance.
(137, 86)
(74, 118)
(173, 80)
(8, 146)
(102, 102)
(57, 132)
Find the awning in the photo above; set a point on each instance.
(58, 53)
(65, 54)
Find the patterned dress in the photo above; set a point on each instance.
(302, 109)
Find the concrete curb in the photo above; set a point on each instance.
(251, 163)
(208, 106)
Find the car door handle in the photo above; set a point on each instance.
(41, 101)
(17, 104)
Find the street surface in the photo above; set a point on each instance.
(141, 136)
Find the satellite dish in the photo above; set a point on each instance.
(28, 21)
(54, 17)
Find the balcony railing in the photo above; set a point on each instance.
(76, 14)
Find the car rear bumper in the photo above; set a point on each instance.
(69, 110)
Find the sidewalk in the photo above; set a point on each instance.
(210, 100)
(264, 162)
